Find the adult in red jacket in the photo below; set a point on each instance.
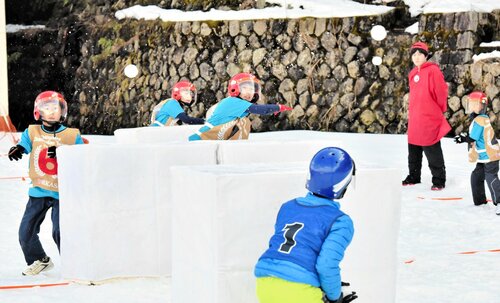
(426, 122)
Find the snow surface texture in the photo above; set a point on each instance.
(432, 233)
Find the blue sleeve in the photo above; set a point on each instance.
(171, 108)
(263, 109)
(332, 252)
(79, 139)
(229, 109)
(25, 142)
(476, 131)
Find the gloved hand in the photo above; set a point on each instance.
(461, 138)
(350, 297)
(51, 152)
(283, 108)
(16, 152)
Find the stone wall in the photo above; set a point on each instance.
(320, 67)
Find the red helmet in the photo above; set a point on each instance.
(480, 97)
(233, 88)
(47, 97)
(184, 86)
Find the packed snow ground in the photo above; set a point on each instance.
(433, 233)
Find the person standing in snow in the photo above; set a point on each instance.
(311, 235)
(426, 122)
(483, 149)
(41, 142)
(229, 119)
(169, 112)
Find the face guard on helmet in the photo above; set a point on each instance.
(330, 172)
(185, 92)
(477, 103)
(245, 86)
(49, 104)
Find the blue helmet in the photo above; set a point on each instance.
(330, 172)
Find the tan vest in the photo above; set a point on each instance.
(42, 169)
(238, 129)
(490, 142)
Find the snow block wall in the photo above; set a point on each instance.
(118, 195)
(179, 133)
(234, 152)
(114, 213)
(221, 229)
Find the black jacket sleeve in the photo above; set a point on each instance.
(189, 120)
(263, 109)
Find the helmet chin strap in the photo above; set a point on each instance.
(53, 124)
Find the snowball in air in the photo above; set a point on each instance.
(376, 60)
(131, 71)
(378, 33)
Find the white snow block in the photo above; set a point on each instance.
(126, 135)
(153, 135)
(221, 229)
(115, 211)
(277, 151)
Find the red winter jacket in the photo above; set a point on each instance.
(428, 101)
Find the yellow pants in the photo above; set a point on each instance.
(276, 290)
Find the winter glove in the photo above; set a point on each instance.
(461, 138)
(350, 297)
(283, 108)
(16, 152)
(51, 152)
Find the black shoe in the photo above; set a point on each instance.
(410, 181)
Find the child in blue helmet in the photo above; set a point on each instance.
(311, 235)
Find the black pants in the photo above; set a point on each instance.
(489, 172)
(434, 155)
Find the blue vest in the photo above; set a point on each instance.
(299, 234)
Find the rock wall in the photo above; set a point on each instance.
(320, 67)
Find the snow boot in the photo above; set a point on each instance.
(410, 181)
(437, 187)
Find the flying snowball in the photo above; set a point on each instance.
(131, 71)
(378, 33)
(376, 60)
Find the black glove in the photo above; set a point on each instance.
(16, 152)
(51, 152)
(350, 297)
(461, 138)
